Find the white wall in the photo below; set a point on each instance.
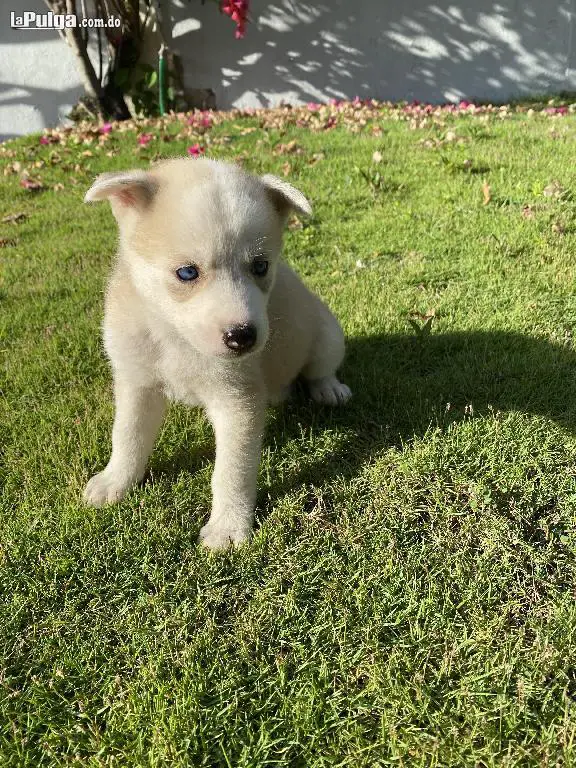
(311, 51)
(38, 79)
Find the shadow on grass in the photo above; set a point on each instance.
(403, 384)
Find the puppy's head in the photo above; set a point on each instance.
(202, 240)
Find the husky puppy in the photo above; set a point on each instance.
(201, 309)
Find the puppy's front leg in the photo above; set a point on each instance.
(238, 425)
(139, 415)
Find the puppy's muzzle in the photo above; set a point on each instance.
(240, 338)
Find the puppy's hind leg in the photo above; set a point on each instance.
(325, 358)
(139, 415)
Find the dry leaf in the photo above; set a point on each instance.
(14, 217)
(554, 189)
(316, 157)
(295, 223)
(286, 168)
(377, 157)
(7, 242)
(291, 148)
(486, 194)
(13, 168)
(528, 212)
(424, 315)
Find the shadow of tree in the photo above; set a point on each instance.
(421, 50)
(403, 384)
(38, 78)
(297, 50)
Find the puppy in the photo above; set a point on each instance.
(200, 309)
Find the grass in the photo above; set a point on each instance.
(409, 596)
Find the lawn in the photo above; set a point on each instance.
(409, 596)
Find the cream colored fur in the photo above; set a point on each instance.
(165, 337)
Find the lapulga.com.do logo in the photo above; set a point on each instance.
(32, 20)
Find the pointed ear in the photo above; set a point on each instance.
(284, 196)
(126, 189)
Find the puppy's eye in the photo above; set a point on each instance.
(187, 273)
(259, 267)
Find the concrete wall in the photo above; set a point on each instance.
(311, 51)
(416, 49)
(38, 79)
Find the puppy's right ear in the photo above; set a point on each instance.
(125, 190)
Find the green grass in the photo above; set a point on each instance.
(409, 596)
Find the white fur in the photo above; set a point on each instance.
(165, 338)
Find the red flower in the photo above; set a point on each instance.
(238, 12)
(144, 139)
(195, 150)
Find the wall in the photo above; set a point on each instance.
(38, 80)
(311, 51)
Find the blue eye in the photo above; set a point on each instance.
(259, 267)
(187, 273)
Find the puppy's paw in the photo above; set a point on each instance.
(216, 536)
(104, 488)
(329, 391)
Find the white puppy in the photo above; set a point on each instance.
(200, 309)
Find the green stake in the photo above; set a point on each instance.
(162, 79)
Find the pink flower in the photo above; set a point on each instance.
(105, 128)
(44, 140)
(144, 139)
(195, 150)
(313, 106)
(203, 120)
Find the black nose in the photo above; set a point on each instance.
(240, 338)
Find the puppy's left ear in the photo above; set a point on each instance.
(285, 197)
